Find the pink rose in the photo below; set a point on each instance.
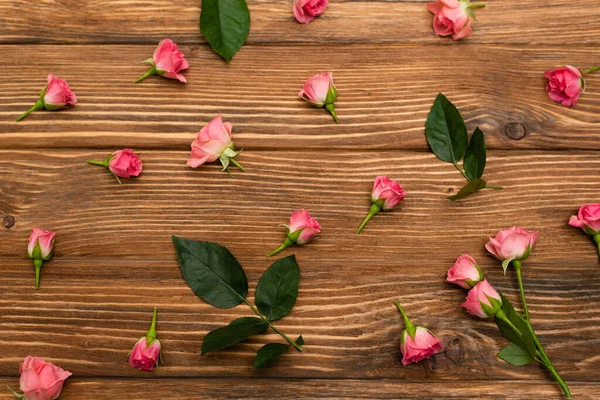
(125, 164)
(452, 17)
(41, 380)
(565, 84)
(301, 230)
(320, 91)
(386, 195)
(41, 243)
(483, 300)
(423, 345)
(511, 244)
(146, 351)
(166, 61)
(306, 10)
(214, 142)
(588, 218)
(465, 272)
(57, 94)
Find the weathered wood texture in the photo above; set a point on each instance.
(385, 95)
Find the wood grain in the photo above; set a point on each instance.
(560, 22)
(385, 94)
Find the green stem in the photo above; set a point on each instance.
(494, 187)
(151, 71)
(461, 171)
(517, 265)
(477, 5)
(408, 324)
(236, 164)
(501, 315)
(100, 163)
(589, 71)
(286, 243)
(372, 211)
(37, 263)
(37, 106)
(151, 335)
(331, 108)
(597, 241)
(283, 335)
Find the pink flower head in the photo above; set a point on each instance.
(422, 345)
(306, 10)
(319, 90)
(387, 193)
(565, 84)
(483, 300)
(41, 380)
(125, 164)
(58, 94)
(588, 219)
(302, 227)
(169, 61)
(465, 272)
(511, 244)
(41, 243)
(213, 142)
(452, 18)
(145, 357)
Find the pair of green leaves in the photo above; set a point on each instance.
(217, 277)
(225, 24)
(447, 136)
(522, 350)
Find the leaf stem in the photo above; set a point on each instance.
(286, 243)
(37, 106)
(589, 71)
(494, 187)
(372, 211)
(461, 171)
(283, 335)
(100, 163)
(408, 324)
(331, 108)
(477, 5)
(38, 269)
(151, 71)
(151, 335)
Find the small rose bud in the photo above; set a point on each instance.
(214, 143)
(122, 164)
(41, 244)
(166, 61)
(146, 352)
(514, 244)
(56, 95)
(40, 380)
(320, 91)
(306, 10)
(386, 195)
(588, 219)
(453, 17)
(416, 342)
(465, 272)
(483, 300)
(301, 230)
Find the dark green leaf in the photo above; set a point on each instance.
(526, 340)
(515, 355)
(225, 24)
(446, 131)
(238, 330)
(212, 272)
(277, 289)
(474, 162)
(270, 352)
(473, 186)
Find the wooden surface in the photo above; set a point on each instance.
(114, 259)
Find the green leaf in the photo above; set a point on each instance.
(473, 186)
(270, 352)
(277, 289)
(238, 330)
(225, 24)
(474, 162)
(212, 272)
(524, 341)
(446, 131)
(515, 355)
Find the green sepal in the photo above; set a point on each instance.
(294, 236)
(493, 309)
(505, 265)
(17, 395)
(331, 95)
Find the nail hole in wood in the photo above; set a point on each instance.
(9, 221)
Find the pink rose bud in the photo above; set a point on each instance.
(167, 61)
(416, 342)
(40, 380)
(122, 164)
(214, 142)
(565, 84)
(301, 230)
(483, 300)
(465, 272)
(320, 91)
(453, 17)
(306, 10)
(41, 244)
(57, 94)
(146, 352)
(514, 244)
(386, 195)
(588, 219)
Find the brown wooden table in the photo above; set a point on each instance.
(114, 259)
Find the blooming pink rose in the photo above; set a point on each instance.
(565, 84)
(452, 18)
(387, 192)
(58, 94)
(303, 225)
(320, 91)
(306, 10)
(166, 61)
(41, 380)
(41, 243)
(512, 244)
(465, 272)
(125, 164)
(588, 218)
(483, 300)
(144, 357)
(212, 141)
(422, 346)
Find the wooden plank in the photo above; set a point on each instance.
(385, 95)
(366, 21)
(251, 389)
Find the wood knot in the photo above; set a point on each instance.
(9, 221)
(515, 130)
